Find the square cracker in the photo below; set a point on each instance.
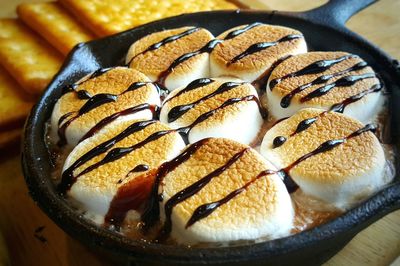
(106, 17)
(26, 56)
(55, 24)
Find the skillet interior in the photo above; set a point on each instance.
(310, 247)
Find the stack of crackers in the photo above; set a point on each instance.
(33, 46)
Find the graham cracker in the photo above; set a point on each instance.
(107, 17)
(55, 24)
(26, 56)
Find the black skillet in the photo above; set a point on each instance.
(324, 30)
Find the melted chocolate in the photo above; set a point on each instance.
(177, 111)
(313, 68)
(137, 169)
(205, 49)
(303, 125)
(285, 102)
(184, 131)
(165, 41)
(339, 107)
(83, 95)
(257, 47)
(151, 213)
(107, 120)
(342, 82)
(68, 178)
(206, 209)
(198, 83)
(278, 141)
(237, 32)
(324, 147)
(261, 81)
(120, 152)
(98, 100)
(192, 190)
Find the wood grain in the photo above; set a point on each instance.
(379, 244)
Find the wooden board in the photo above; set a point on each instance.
(379, 244)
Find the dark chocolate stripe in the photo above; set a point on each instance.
(198, 83)
(205, 49)
(151, 213)
(339, 107)
(165, 41)
(68, 178)
(237, 32)
(72, 87)
(206, 209)
(120, 152)
(329, 145)
(257, 47)
(285, 102)
(342, 82)
(137, 169)
(95, 102)
(184, 131)
(192, 190)
(177, 111)
(313, 68)
(107, 120)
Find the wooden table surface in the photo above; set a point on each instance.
(379, 244)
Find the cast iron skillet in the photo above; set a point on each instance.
(324, 30)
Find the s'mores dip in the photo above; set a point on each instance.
(207, 141)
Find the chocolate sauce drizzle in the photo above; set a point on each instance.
(314, 68)
(195, 84)
(165, 41)
(151, 213)
(184, 131)
(285, 102)
(192, 190)
(257, 47)
(342, 82)
(84, 94)
(117, 153)
(206, 209)
(237, 32)
(137, 169)
(205, 49)
(68, 178)
(179, 110)
(107, 120)
(339, 107)
(97, 101)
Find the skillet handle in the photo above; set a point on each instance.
(335, 13)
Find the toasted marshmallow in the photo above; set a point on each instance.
(341, 172)
(158, 55)
(249, 51)
(218, 107)
(248, 203)
(100, 98)
(95, 189)
(292, 84)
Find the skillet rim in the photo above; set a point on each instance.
(71, 222)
